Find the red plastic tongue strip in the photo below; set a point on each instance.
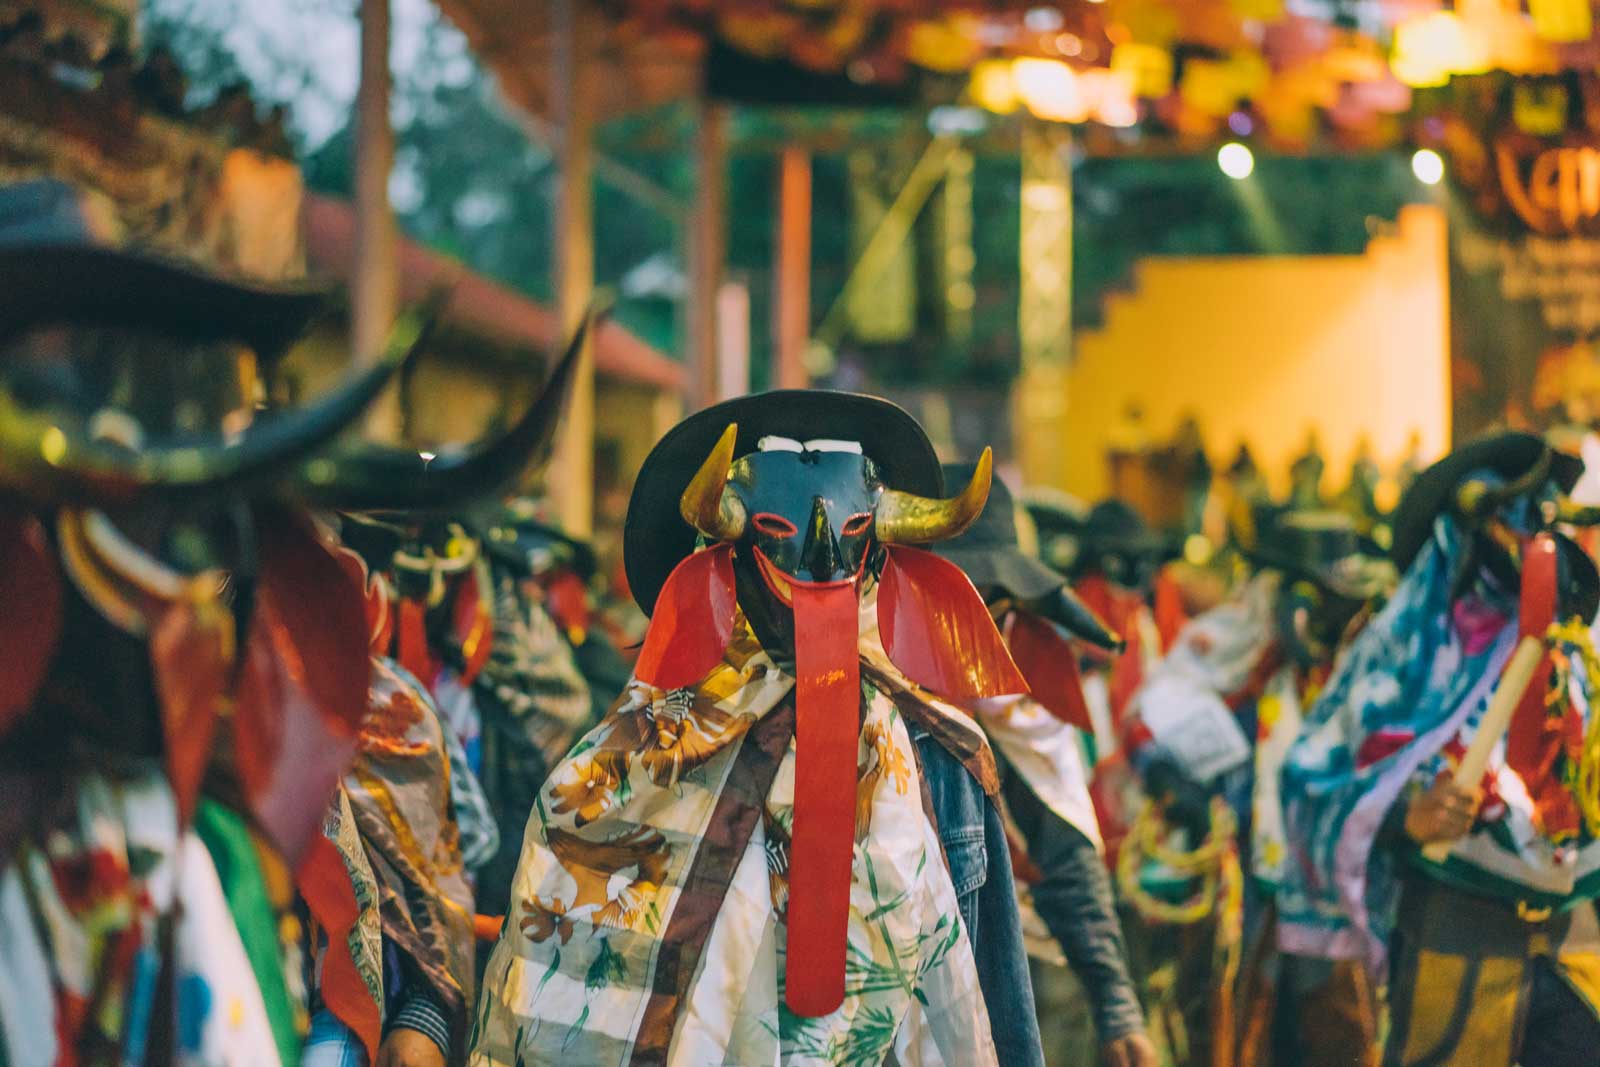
(827, 724)
(30, 605)
(1534, 740)
(412, 637)
(191, 657)
(1049, 663)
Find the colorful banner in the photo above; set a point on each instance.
(1525, 257)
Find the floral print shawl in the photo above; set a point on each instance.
(647, 921)
(1404, 688)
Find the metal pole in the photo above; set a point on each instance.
(571, 106)
(375, 285)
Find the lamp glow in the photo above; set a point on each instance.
(993, 86)
(1049, 89)
(1236, 161)
(1428, 166)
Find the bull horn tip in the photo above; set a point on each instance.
(904, 518)
(704, 504)
(969, 504)
(984, 471)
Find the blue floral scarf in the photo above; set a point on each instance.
(1404, 689)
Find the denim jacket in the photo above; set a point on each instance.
(975, 847)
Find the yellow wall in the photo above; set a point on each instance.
(1264, 348)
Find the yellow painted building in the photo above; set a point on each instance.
(1260, 349)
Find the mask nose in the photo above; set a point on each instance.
(821, 552)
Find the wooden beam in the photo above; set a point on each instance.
(572, 470)
(791, 298)
(707, 251)
(375, 280)
(1044, 304)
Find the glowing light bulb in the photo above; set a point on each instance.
(993, 86)
(1049, 89)
(1428, 166)
(1236, 161)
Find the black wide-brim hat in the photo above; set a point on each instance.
(510, 534)
(988, 549)
(1578, 590)
(81, 284)
(1507, 454)
(1323, 547)
(992, 556)
(1113, 526)
(655, 538)
(58, 265)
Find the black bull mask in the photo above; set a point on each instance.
(795, 532)
(259, 612)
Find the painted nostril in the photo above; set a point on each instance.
(821, 548)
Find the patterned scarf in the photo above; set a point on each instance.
(1232, 651)
(532, 703)
(531, 678)
(399, 796)
(648, 921)
(94, 911)
(1046, 753)
(1406, 686)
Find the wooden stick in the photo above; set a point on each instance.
(1514, 682)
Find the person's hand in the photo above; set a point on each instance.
(1130, 1050)
(409, 1048)
(1444, 813)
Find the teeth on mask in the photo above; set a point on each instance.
(824, 444)
(819, 444)
(779, 444)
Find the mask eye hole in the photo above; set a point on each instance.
(856, 524)
(773, 525)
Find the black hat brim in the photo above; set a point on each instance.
(1142, 543)
(1508, 454)
(655, 537)
(584, 560)
(1580, 593)
(1327, 576)
(110, 286)
(1007, 569)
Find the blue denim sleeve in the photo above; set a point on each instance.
(974, 843)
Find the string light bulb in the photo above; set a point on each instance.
(1428, 166)
(1236, 161)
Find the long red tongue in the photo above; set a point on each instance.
(1534, 740)
(827, 724)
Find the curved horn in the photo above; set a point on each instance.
(368, 477)
(907, 519)
(38, 457)
(1566, 510)
(706, 504)
(1476, 499)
